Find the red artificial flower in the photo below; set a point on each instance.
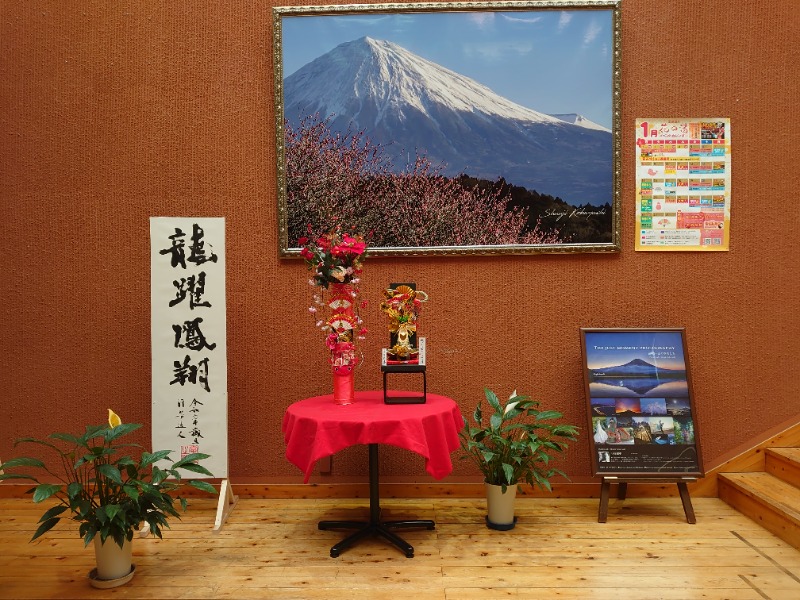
(355, 246)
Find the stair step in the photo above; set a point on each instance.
(771, 502)
(784, 463)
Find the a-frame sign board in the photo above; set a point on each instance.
(226, 504)
(642, 421)
(622, 490)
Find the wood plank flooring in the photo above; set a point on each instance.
(273, 549)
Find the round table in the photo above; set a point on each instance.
(317, 427)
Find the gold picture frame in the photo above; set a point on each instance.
(415, 124)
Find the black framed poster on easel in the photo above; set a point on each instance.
(639, 394)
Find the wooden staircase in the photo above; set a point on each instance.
(770, 497)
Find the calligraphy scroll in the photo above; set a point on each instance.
(188, 337)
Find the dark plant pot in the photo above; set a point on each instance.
(500, 526)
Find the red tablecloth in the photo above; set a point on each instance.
(316, 427)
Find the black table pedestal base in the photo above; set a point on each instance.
(374, 526)
(365, 529)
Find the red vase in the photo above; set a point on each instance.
(343, 385)
(343, 358)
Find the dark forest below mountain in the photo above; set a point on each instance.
(583, 224)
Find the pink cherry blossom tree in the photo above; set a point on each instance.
(334, 178)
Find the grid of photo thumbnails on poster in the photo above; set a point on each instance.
(640, 404)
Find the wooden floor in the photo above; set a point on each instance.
(273, 549)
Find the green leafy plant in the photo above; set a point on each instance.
(107, 491)
(516, 441)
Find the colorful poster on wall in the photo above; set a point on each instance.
(188, 339)
(639, 400)
(683, 184)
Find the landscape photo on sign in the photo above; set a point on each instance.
(636, 364)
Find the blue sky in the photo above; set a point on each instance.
(552, 61)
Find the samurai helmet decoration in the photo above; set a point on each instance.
(402, 305)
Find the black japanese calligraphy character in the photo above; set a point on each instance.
(198, 250)
(194, 288)
(195, 434)
(177, 249)
(194, 339)
(186, 371)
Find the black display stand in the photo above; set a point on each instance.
(622, 490)
(418, 366)
(406, 399)
(374, 525)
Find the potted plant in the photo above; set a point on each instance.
(514, 443)
(107, 490)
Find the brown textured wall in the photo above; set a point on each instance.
(113, 112)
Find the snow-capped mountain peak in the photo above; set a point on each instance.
(378, 69)
(580, 120)
(409, 105)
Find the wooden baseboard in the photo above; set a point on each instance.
(406, 490)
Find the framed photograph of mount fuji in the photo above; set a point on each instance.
(450, 128)
(642, 421)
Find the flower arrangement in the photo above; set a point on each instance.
(335, 257)
(336, 261)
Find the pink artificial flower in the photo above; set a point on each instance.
(307, 254)
(302, 241)
(331, 341)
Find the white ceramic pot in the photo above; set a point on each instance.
(500, 506)
(113, 562)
